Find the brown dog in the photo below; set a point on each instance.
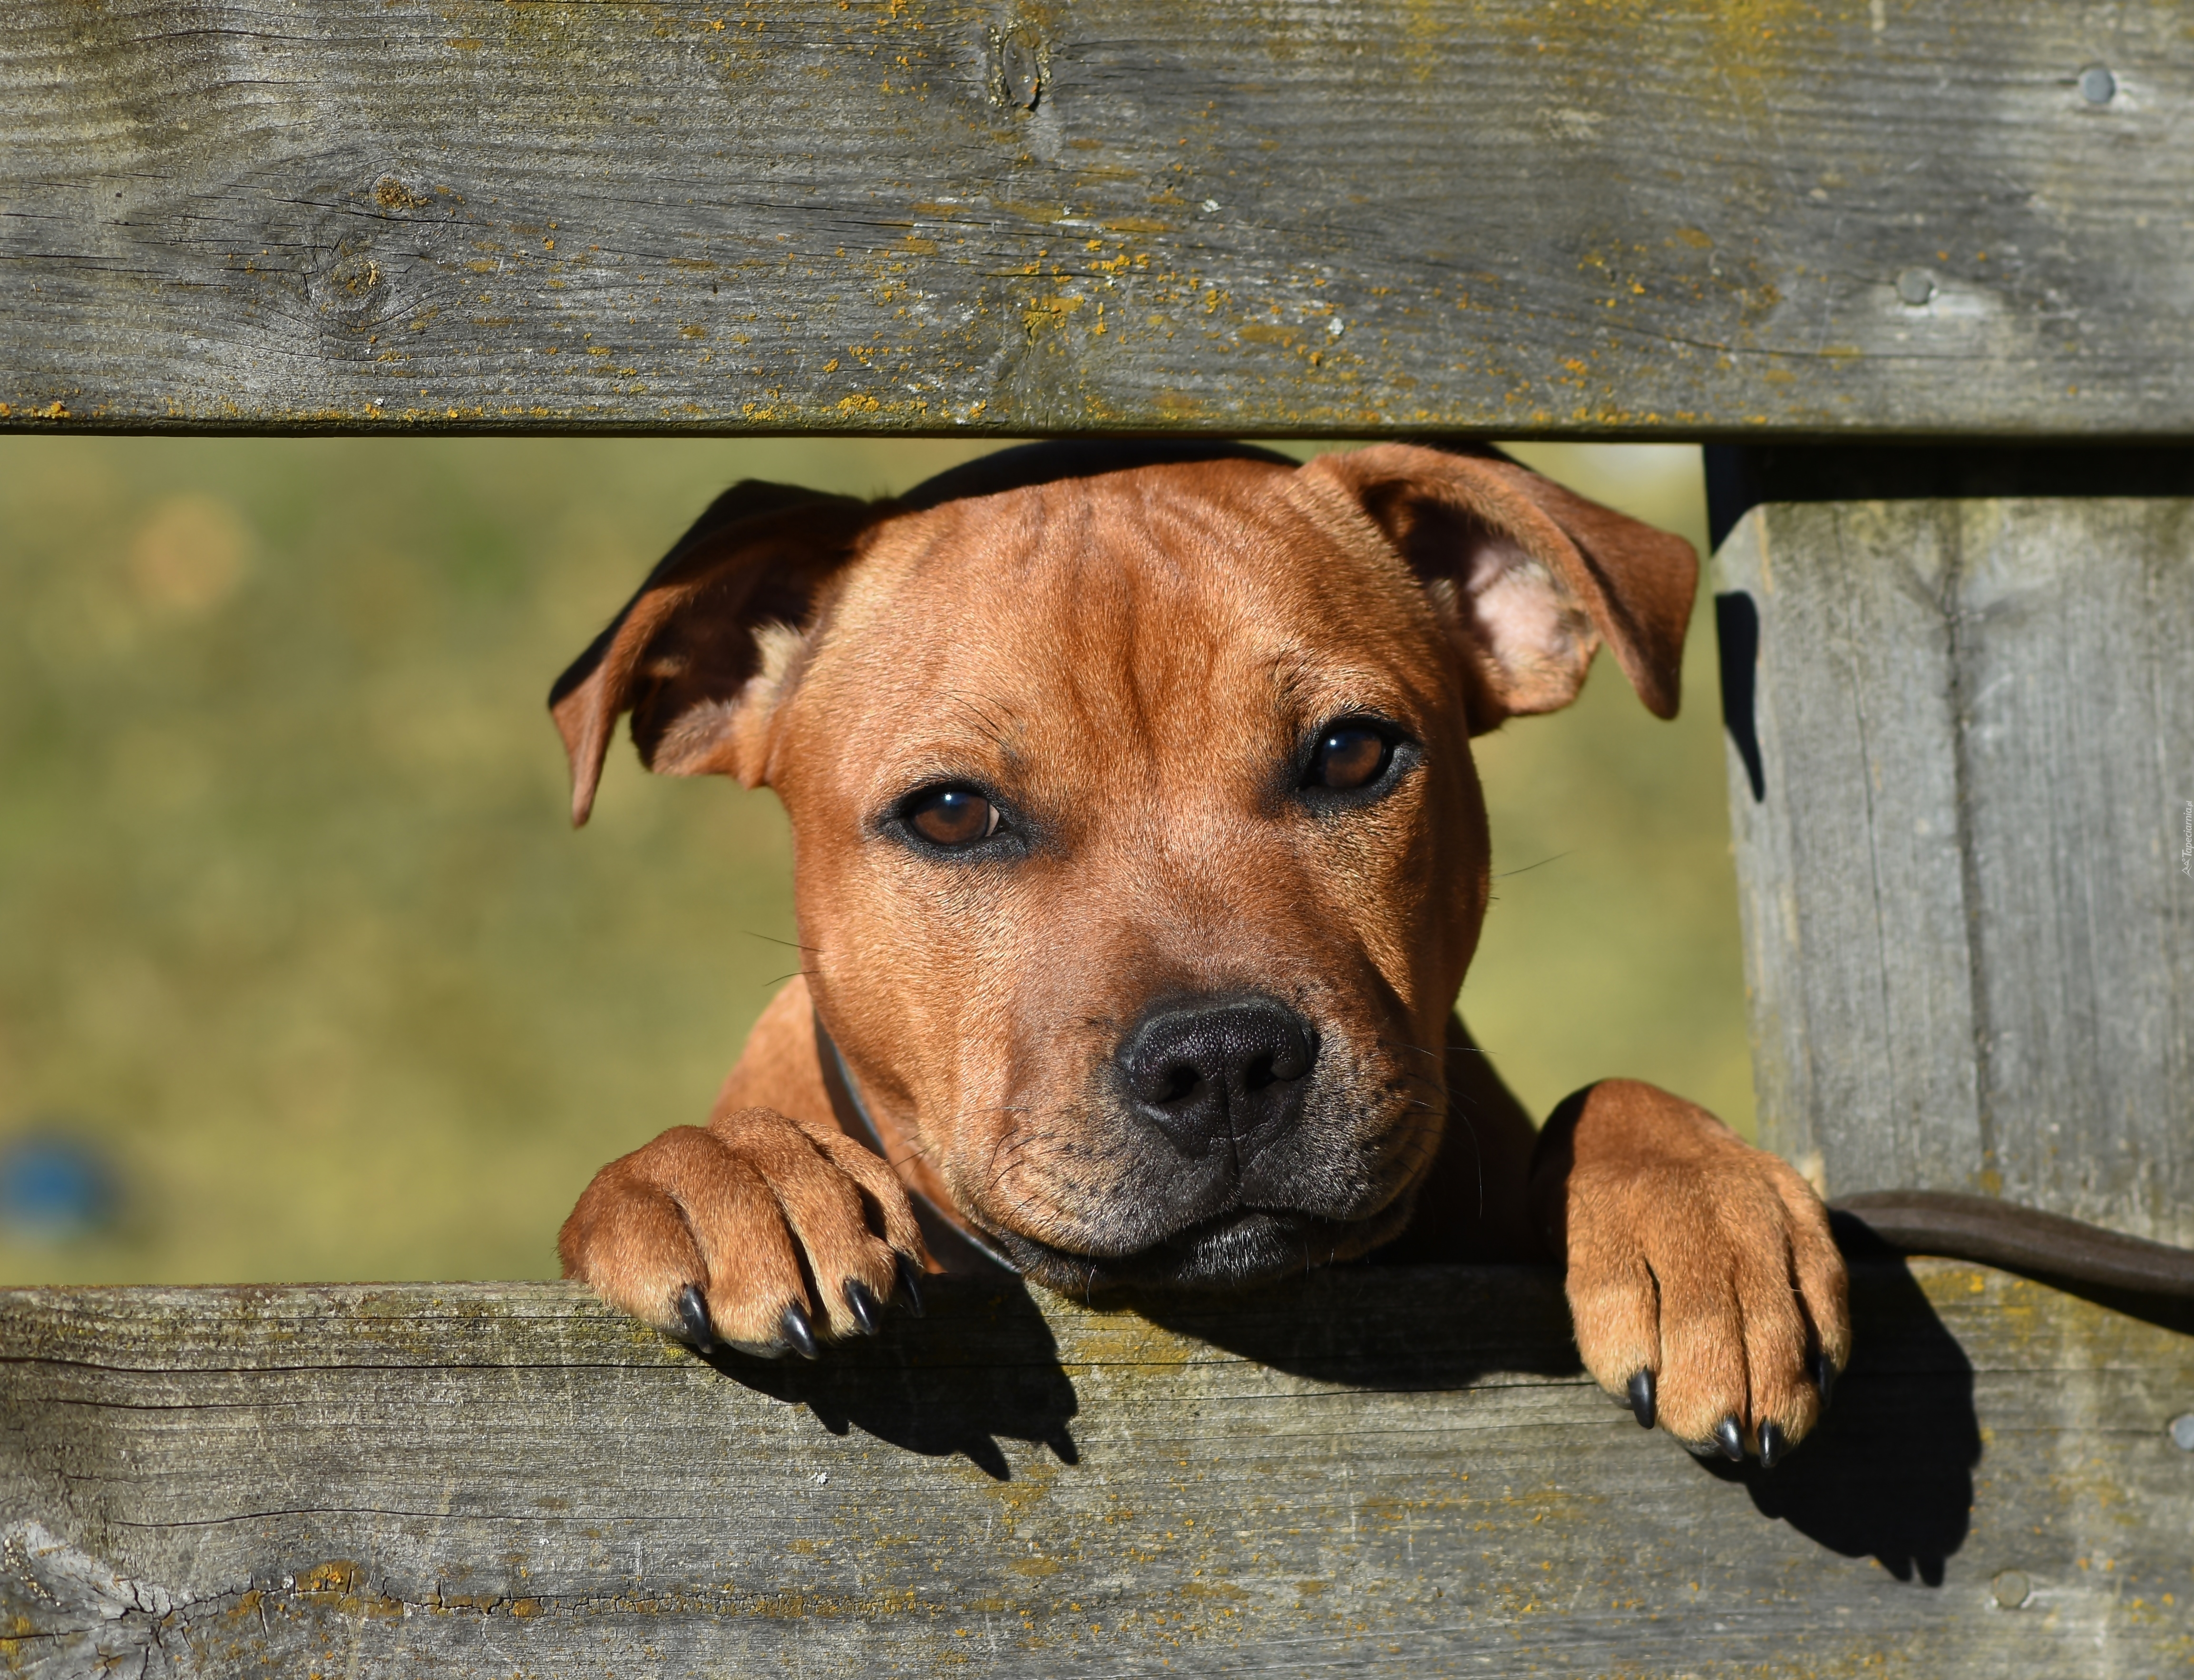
(1140, 855)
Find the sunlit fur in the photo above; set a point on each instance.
(1134, 675)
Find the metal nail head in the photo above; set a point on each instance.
(2182, 1431)
(1915, 287)
(2097, 85)
(2011, 1589)
(1021, 70)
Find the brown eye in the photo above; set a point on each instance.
(1349, 756)
(953, 816)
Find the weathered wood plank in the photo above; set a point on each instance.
(1373, 1472)
(1962, 765)
(1853, 218)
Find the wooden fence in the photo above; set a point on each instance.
(1396, 1473)
(1933, 218)
(1961, 748)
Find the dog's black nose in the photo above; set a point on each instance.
(1206, 1071)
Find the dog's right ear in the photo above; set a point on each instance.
(702, 654)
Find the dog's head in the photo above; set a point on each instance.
(1140, 851)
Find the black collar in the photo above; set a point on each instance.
(955, 1248)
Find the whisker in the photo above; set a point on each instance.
(1528, 868)
(1009, 1148)
(1405, 1045)
(789, 944)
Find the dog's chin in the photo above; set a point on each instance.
(1235, 1250)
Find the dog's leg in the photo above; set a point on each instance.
(785, 1067)
(1706, 1289)
(781, 1066)
(769, 1229)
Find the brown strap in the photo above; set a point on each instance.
(2020, 1239)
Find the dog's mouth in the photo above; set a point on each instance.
(1232, 1250)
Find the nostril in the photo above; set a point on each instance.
(1202, 1071)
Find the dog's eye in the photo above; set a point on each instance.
(1349, 755)
(953, 816)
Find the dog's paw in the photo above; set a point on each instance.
(759, 1231)
(1706, 1289)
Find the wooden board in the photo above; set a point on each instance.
(1853, 218)
(1373, 1473)
(1962, 787)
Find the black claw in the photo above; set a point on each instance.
(1774, 1444)
(694, 1317)
(1641, 1398)
(1730, 1439)
(907, 1286)
(862, 1305)
(796, 1329)
(1824, 1377)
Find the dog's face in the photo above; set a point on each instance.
(1139, 855)
(1139, 850)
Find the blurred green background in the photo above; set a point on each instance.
(294, 933)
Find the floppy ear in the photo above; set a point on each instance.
(701, 655)
(1527, 578)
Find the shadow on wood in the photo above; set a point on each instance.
(1484, 1321)
(898, 1389)
(1736, 637)
(1889, 1474)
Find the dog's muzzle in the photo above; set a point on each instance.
(1219, 1084)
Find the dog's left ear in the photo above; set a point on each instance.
(703, 653)
(1527, 578)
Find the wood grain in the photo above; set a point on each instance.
(1969, 911)
(1848, 218)
(1371, 1472)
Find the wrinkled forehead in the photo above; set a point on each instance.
(1167, 605)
